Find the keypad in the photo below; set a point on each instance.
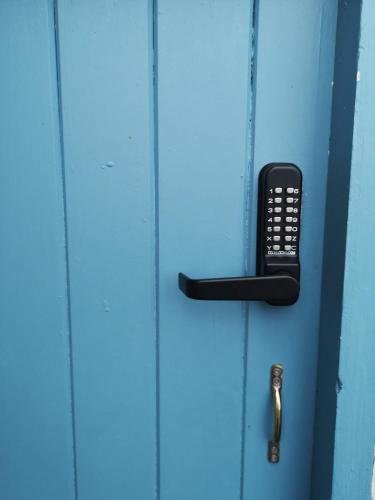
(282, 221)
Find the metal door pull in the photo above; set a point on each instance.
(276, 385)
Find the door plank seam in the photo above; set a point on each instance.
(248, 219)
(155, 153)
(66, 240)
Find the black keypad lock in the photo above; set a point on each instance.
(278, 244)
(279, 215)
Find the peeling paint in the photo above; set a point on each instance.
(338, 385)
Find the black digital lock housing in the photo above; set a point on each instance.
(279, 217)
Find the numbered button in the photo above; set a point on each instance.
(288, 200)
(277, 210)
(277, 229)
(288, 229)
(276, 247)
(289, 210)
(290, 190)
(276, 238)
(278, 219)
(289, 219)
(288, 238)
(278, 190)
(279, 200)
(288, 248)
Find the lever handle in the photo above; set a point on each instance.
(280, 289)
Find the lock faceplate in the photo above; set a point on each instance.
(279, 216)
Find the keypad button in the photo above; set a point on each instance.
(289, 210)
(278, 219)
(277, 229)
(288, 238)
(290, 190)
(276, 238)
(288, 248)
(288, 229)
(277, 210)
(278, 190)
(279, 200)
(289, 219)
(276, 247)
(288, 200)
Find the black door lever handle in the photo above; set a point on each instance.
(278, 289)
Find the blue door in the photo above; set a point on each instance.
(132, 136)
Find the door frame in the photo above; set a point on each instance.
(345, 415)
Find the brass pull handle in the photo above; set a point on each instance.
(276, 385)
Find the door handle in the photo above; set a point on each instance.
(276, 288)
(278, 267)
(276, 385)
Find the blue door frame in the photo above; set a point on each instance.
(354, 441)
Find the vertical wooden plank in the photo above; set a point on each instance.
(355, 435)
(36, 451)
(106, 76)
(294, 69)
(203, 64)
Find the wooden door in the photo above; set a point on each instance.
(132, 134)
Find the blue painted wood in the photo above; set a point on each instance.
(344, 89)
(294, 69)
(355, 433)
(105, 56)
(36, 450)
(166, 119)
(203, 94)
